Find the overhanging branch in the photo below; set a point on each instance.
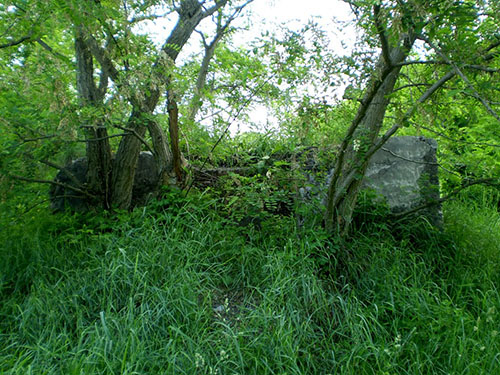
(426, 95)
(57, 183)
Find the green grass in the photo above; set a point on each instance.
(181, 290)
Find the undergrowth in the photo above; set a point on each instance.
(180, 287)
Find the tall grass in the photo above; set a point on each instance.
(180, 289)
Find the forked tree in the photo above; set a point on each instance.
(456, 38)
(113, 60)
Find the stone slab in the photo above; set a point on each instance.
(404, 172)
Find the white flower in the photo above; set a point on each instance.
(199, 361)
(223, 355)
(356, 145)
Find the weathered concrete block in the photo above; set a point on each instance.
(62, 198)
(404, 172)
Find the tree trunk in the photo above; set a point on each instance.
(197, 101)
(163, 154)
(125, 161)
(98, 150)
(173, 126)
(191, 13)
(348, 175)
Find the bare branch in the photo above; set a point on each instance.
(440, 62)
(218, 5)
(101, 138)
(482, 68)
(51, 50)
(439, 134)
(411, 85)
(418, 62)
(63, 170)
(150, 17)
(26, 140)
(426, 95)
(203, 39)
(51, 164)
(492, 55)
(419, 161)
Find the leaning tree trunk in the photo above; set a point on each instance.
(190, 15)
(353, 159)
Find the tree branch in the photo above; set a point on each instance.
(218, 5)
(36, 139)
(51, 50)
(386, 53)
(221, 31)
(463, 76)
(492, 55)
(426, 95)
(150, 17)
(226, 130)
(482, 181)
(102, 56)
(439, 134)
(439, 62)
(411, 85)
(135, 134)
(57, 183)
(16, 42)
(64, 170)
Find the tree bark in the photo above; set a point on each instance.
(173, 126)
(98, 149)
(162, 152)
(125, 162)
(190, 14)
(346, 181)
